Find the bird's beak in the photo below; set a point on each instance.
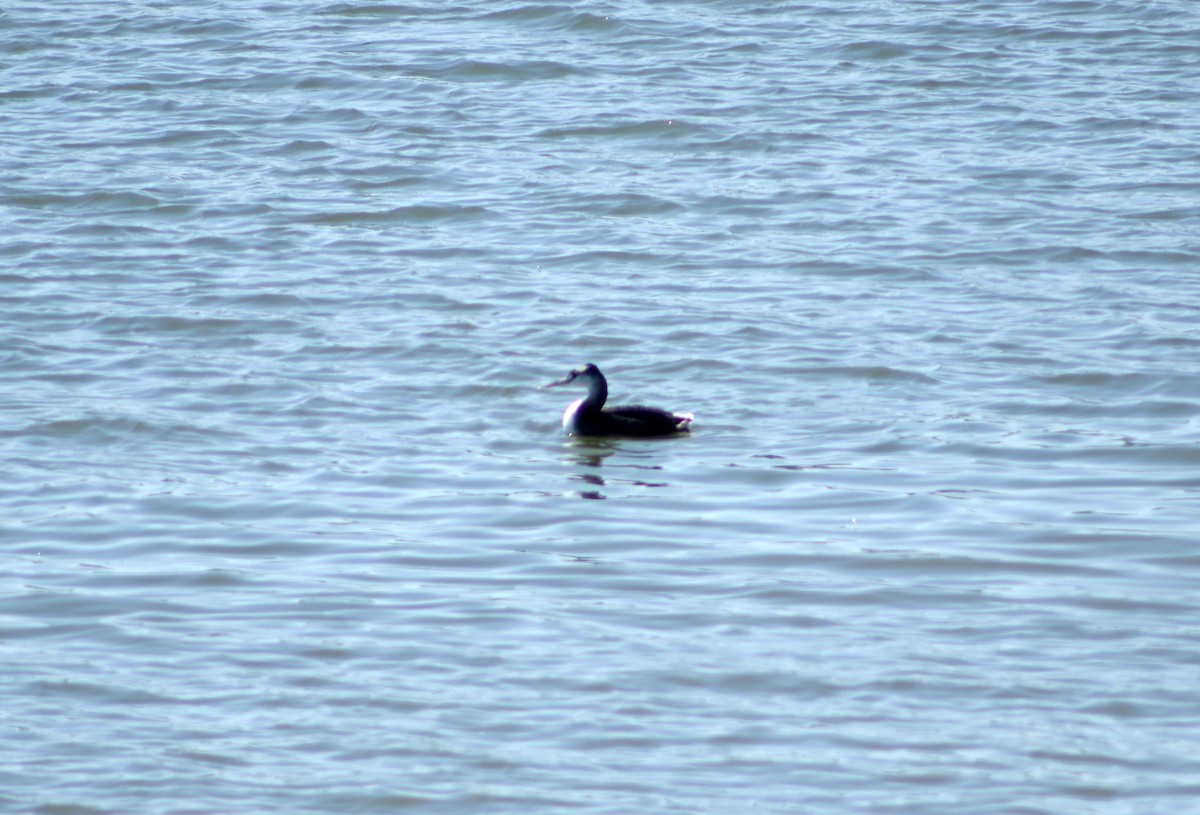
(565, 381)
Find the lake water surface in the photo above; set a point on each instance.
(287, 526)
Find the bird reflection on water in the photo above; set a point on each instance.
(589, 455)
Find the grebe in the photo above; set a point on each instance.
(589, 417)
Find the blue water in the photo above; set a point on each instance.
(286, 525)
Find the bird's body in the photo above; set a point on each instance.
(589, 417)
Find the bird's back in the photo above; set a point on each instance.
(639, 420)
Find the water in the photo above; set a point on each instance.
(287, 526)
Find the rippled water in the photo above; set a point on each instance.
(287, 526)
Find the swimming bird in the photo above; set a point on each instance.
(589, 417)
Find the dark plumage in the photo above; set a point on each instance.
(589, 417)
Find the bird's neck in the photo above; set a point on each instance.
(597, 394)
